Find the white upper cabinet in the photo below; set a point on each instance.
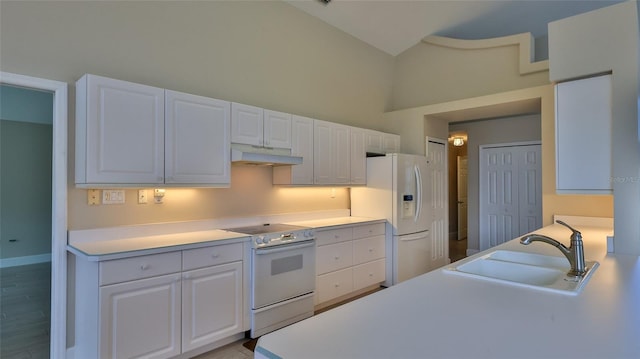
(381, 142)
(277, 129)
(197, 139)
(301, 145)
(255, 126)
(390, 143)
(358, 156)
(373, 141)
(119, 132)
(583, 136)
(247, 124)
(132, 135)
(332, 153)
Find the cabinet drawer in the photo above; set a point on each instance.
(209, 256)
(368, 249)
(333, 257)
(368, 230)
(368, 274)
(334, 236)
(127, 269)
(333, 285)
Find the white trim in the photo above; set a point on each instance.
(26, 260)
(59, 205)
(524, 41)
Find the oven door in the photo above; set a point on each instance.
(282, 272)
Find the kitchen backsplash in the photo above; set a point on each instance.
(251, 194)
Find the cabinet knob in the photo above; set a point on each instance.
(370, 250)
(337, 285)
(215, 255)
(144, 266)
(336, 257)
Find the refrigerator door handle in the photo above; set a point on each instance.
(419, 192)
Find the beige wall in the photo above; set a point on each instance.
(263, 53)
(602, 41)
(427, 74)
(432, 120)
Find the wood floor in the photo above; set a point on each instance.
(25, 311)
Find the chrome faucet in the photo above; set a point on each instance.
(575, 252)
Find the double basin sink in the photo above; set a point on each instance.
(543, 272)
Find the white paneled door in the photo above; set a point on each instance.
(437, 177)
(510, 192)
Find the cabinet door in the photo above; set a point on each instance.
(322, 152)
(247, 124)
(358, 156)
(212, 304)
(583, 136)
(342, 154)
(374, 141)
(141, 318)
(301, 145)
(277, 129)
(335, 284)
(390, 143)
(120, 132)
(197, 139)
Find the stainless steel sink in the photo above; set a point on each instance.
(542, 272)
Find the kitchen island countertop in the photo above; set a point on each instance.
(439, 315)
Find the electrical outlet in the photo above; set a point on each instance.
(112, 196)
(142, 196)
(93, 197)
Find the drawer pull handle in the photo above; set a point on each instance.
(336, 236)
(370, 250)
(336, 257)
(144, 266)
(337, 285)
(215, 255)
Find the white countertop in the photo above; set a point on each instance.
(135, 246)
(127, 241)
(336, 221)
(439, 315)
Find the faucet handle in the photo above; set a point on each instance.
(576, 233)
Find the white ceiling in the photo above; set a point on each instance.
(396, 25)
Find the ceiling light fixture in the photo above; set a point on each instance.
(458, 141)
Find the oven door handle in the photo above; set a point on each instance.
(286, 247)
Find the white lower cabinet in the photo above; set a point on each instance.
(349, 259)
(141, 318)
(211, 304)
(160, 305)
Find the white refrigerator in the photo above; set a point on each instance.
(397, 190)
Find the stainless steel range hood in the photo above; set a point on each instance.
(260, 156)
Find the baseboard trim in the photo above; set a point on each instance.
(21, 261)
(471, 252)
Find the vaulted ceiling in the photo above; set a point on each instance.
(396, 25)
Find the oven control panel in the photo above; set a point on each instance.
(276, 239)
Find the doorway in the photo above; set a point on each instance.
(57, 200)
(458, 173)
